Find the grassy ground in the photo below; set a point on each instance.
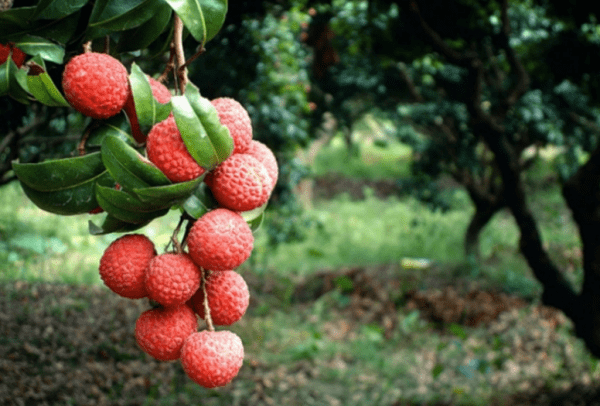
(332, 348)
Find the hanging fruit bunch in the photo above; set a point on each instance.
(149, 149)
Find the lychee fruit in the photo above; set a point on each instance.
(264, 154)
(160, 92)
(240, 183)
(220, 240)
(212, 358)
(168, 152)
(235, 117)
(17, 55)
(123, 265)
(228, 297)
(172, 279)
(96, 84)
(161, 332)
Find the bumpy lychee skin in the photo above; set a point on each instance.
(123, 265)
(161, 332)
(212, 358)
(220, 240)
(172, 279)
(228, 298)
(240, 183)
(264, 154)
(168, 152)
(96, 84)
(235, 117)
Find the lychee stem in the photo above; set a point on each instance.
(207, 316)
(178, 41)
(87, 47)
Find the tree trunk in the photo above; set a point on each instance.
(484, 211)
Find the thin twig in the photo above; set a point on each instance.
(207, 317)
(179, 54)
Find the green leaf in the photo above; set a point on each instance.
(13, 82)
(113, 225)
(203, 18)
(59, 174)
(200, 202)
(55, 9)
(149, 111)
(112, 202)
(126, 201)
(141, 37)
(77, 199)
(119, 15)
(15, 22)
(116, 126)
(208, 149)
(48, 50)
(168, 195)
(42, 87)
(128, 167)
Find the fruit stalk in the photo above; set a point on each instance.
(207, 317)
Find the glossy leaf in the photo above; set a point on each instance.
(255, 217)
(77, 199)
(126, 201)
(128, 167)
(200, 202)
(168, 195)
(59, 174)
(149, 111)
(42, 87)
(14, 23)
(54, 9)
(208, 149)
(113, 225)
(116, 126)
(39, 46)
(203, 18)
(119, 15)
(111, 201)
(13, 82)
(141, 37)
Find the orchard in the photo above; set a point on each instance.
(152, 144)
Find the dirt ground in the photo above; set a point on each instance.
(74, 345)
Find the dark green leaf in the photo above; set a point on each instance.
(149, 111)
(168, 195)
(127, 202)
(13, 82)
(144, 35)
(119, 15)
(60, 30)
(54, 9)
(200, 202)
(117, 126)
(128, 167)
(59, 174)
(207, 151)
(111, 203)
(42, 88)
(15, 22)
(39, 46)
(113, 225)
(203, 18)
(73, 200)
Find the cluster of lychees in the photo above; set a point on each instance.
(202, 281)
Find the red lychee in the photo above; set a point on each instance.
(96, 84)
(160, 92)
(228, 297)
(235, 117)
(161, 332)
(18, 56)
(168, 152)
(240, 183)
(264, 154)
(212, 358)
(123, 265)
(172, 279)
(220, 240)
